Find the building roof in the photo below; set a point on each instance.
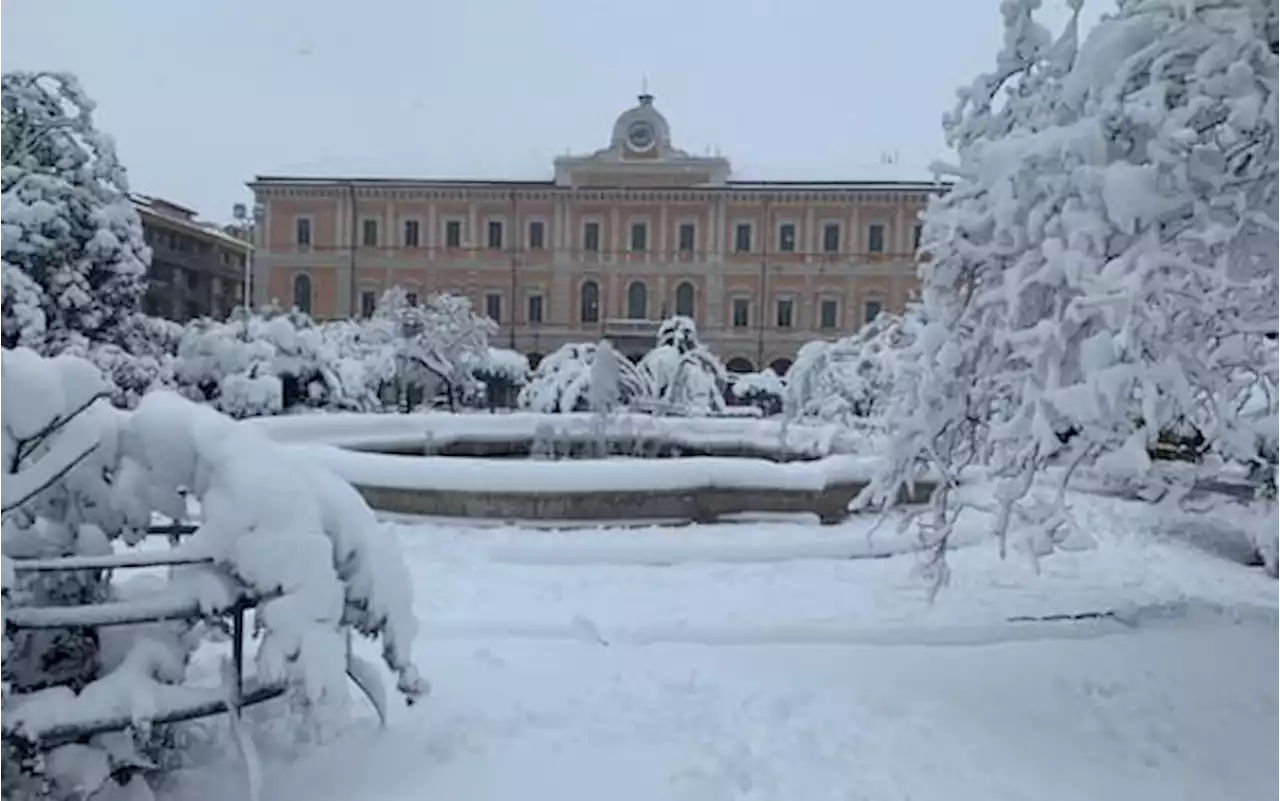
(182, 217)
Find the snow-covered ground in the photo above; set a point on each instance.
(783, 661)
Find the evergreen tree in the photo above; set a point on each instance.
(68, 223)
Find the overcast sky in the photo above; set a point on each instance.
(201, 95)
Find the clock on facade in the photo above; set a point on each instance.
(640, 135)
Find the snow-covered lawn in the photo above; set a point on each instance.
(780, 661)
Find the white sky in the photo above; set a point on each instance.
(201, 95)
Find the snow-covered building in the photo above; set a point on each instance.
(613, 243)
(197, 268)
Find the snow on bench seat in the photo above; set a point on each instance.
(161, 607)
(124, 559)
(48, 722)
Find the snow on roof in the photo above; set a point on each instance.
(183, 217)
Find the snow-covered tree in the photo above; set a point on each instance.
(686, 377)
(68, 223)
(847, 378)
(435, 343)
(1104, 263)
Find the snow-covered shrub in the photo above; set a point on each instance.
(563, 380)
(80, 473)
(502, 373)
(850, 377)
(268, 363)
(686, 378)
(763, 390)
(68, 223)
(1106, 253)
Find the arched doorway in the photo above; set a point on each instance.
(780, 365)
(302, 293)
(589, 302)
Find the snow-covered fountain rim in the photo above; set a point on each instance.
(348, 443)
(374, 431)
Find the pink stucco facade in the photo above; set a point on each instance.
(615, 242)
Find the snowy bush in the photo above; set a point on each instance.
(80, 473)
(269, 362)
(850, 377)
(502, 373)
(763, 390)
(1106, 254)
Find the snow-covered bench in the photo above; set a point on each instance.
(52, 725)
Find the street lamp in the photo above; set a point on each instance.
(240, 213)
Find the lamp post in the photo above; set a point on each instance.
(249, 225)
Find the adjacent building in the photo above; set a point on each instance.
(616, 241)
(197, 268)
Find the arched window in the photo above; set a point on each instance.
(637, 301)
(302, 293)
(684, 299)
(780, 365)
(589, 302)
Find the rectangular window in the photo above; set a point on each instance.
(535, 309)
(412, 233)
(411, 299)
(368, 303)
(302, 232)
(688, 235)
(787, 238)
(591, 237)
(870, 311)
(369, 233)
(916, 233)
(875, 238)
(786, 312)
(537, 235)
(742, 238)
(453, 234)
(831, 238)
(493, 307)
(639, 237)
(495, 235)
(829, 313)
(193, 280)
(741, 312)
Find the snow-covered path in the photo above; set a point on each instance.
(761, 662)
